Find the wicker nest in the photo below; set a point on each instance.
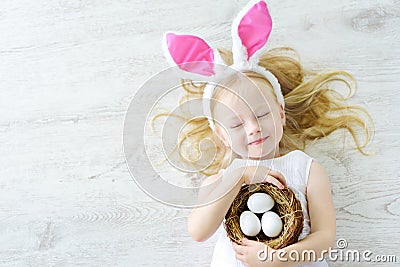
(287, 206)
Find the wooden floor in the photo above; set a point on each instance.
(68, 71)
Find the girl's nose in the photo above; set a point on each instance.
(254, 126)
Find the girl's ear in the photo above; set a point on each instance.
(222, 136)
(282, 114)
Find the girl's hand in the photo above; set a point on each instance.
(262, 174)
(249, 254)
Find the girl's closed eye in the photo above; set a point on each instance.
(264, 114)
(236, 125)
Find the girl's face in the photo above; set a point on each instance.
(251, 116)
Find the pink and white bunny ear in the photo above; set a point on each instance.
(190, 53)
(250, 32)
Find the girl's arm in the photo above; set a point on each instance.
(217, 194)
(204, 221)
(321, 237)
(322, 216)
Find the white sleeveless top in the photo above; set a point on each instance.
(295, 167)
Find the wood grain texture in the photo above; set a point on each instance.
(68, 71)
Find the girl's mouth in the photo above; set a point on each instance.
(259, 141)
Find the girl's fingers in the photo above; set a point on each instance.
(238, 248)
(273, 177)
(278, 176)
(272, 180)
(269, 179)
(242, 258)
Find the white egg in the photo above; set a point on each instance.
(249, 223)
(260, 202)
(271, 224)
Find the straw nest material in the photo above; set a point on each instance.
(287, 206)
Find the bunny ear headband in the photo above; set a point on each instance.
(250, 31)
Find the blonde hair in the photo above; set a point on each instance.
(313, 110)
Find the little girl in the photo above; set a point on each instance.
(261, 118)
